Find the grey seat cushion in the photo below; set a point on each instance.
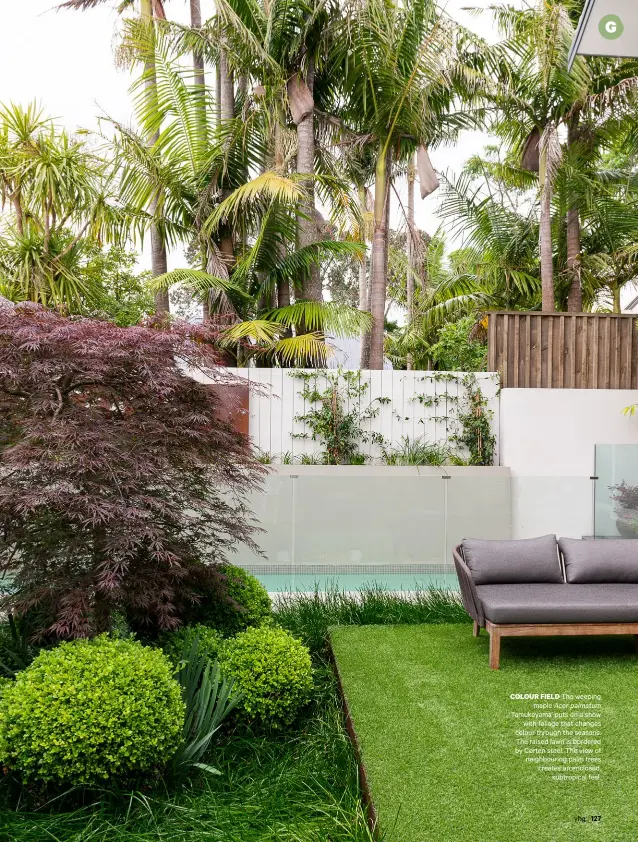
(560, 603)
(503, 562)
(610, 560)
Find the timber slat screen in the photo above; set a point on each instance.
(563, 350)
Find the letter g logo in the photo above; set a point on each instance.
(611, 27)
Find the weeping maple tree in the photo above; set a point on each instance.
(121, 487)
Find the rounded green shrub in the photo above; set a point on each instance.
(89, 711)
(176, 642)
(252, 604)
(272, 669)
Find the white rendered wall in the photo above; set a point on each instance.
(547, 439)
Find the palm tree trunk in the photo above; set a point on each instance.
(227, 112)
(545, 239)
(159, 261)
(410, 254)
(364, 288)
(365, 340)
(283, 286)
(199, 75)
(307, 223)
(227, 88)
(198, 62)
(575, 295)
(218, 95)
(363, 273)
(379, 259)
(616, 295)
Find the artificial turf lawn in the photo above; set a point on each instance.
(437, 739)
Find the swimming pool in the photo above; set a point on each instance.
(353, 577)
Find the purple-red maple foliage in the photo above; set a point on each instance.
(120, 488)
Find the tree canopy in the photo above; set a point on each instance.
(280, 178)
(121, 487)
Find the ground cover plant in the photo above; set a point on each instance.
(295, 783)
(438, 743)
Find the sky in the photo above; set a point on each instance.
(64, 59)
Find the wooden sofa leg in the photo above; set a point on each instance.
(495, 649)
(476, 630)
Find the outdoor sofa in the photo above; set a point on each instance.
(540, 586)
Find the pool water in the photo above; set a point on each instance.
(287, 582)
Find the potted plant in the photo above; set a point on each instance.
(625, 498)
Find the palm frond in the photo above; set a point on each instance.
(260, 331)
(255, 196)
(197, 280)
(323, 317)
(309, 349)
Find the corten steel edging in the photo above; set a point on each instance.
(364, 785)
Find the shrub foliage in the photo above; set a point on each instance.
(88, 711)
(177, 642)
(121, 487)
(248, 603)
(272, 670)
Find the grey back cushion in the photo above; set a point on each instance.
(512, 562)
(608, 560)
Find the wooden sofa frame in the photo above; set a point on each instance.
(474, 608)
(496, 632)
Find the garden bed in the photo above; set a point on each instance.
(438, 740)
(297, 785)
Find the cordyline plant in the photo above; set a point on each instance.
(120, 488)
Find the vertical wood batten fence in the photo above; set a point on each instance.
(563, 350)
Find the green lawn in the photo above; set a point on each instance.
(438, 739)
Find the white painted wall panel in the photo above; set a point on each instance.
(277, 402)
(547, 439)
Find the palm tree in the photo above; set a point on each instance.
(497, 266)
(200, 180)
(410, 249)
(267, 204)
(282, 46)
(399, 77)
(535, 97)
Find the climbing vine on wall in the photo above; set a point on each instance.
(340, 431)
(338, 407)
(474, 421)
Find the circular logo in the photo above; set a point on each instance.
(611, 27)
